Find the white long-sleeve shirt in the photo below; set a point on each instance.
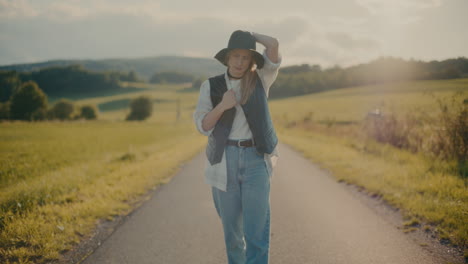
(216, 175)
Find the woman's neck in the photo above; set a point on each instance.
(233, 77)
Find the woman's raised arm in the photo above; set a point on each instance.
(271, 44)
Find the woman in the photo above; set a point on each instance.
(232, 111)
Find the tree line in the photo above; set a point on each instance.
(75, 79)
(292, 80)
(29, 103)
(304, 79)
(24, 95)
(64, 81)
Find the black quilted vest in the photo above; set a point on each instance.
(256, 112)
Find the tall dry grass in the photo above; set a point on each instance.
(442, 136)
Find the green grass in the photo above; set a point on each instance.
(165, 97)
(73, 174)
(427, 190)
(353, 104)
(59, 179)
(126, 89)
(27, 150)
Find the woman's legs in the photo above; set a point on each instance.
(245, 207)
(255, 190)
(229, 207)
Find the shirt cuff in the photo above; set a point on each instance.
(198, 121)
(269, 64)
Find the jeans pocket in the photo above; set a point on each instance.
(259, 155)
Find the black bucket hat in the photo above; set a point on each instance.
(241, 40)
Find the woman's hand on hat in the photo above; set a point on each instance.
(271, 44)
(253, 35)
(229, 100)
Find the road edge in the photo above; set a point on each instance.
(427, 239)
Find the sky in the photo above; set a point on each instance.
(328, 33)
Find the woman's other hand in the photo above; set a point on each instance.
(229, 100)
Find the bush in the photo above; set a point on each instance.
(27, 100)
(453, 134)
(63, 109)
(444, 136)
(141, 108)
(88, 112)
(388, 128)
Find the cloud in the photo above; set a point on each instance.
(288, 29)
(351, 43)
(309, 31)
(16, 8)
(77, 9)
(398, 11)
(384, 6)
(117, 33)
(61, 11)
(318, 52)
(111, 35)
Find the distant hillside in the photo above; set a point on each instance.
(144, 67)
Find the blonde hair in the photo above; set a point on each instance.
(248, 81)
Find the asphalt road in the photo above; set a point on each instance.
(314, 220)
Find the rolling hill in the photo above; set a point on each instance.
(144, 67)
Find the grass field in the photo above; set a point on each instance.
(59, 179)
(426, 189)
(353, 104)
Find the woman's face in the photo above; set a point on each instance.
(239, 61)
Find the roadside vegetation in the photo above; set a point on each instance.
(404, 142)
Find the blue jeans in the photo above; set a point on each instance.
(245, 206)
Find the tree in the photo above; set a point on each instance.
(27, 100)
(296, 69)
(88, 112)
(133, 77)
(4, 111)
(316, 68)
(141, 108)
(63, 109)
(41, 114)
(9, 82)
